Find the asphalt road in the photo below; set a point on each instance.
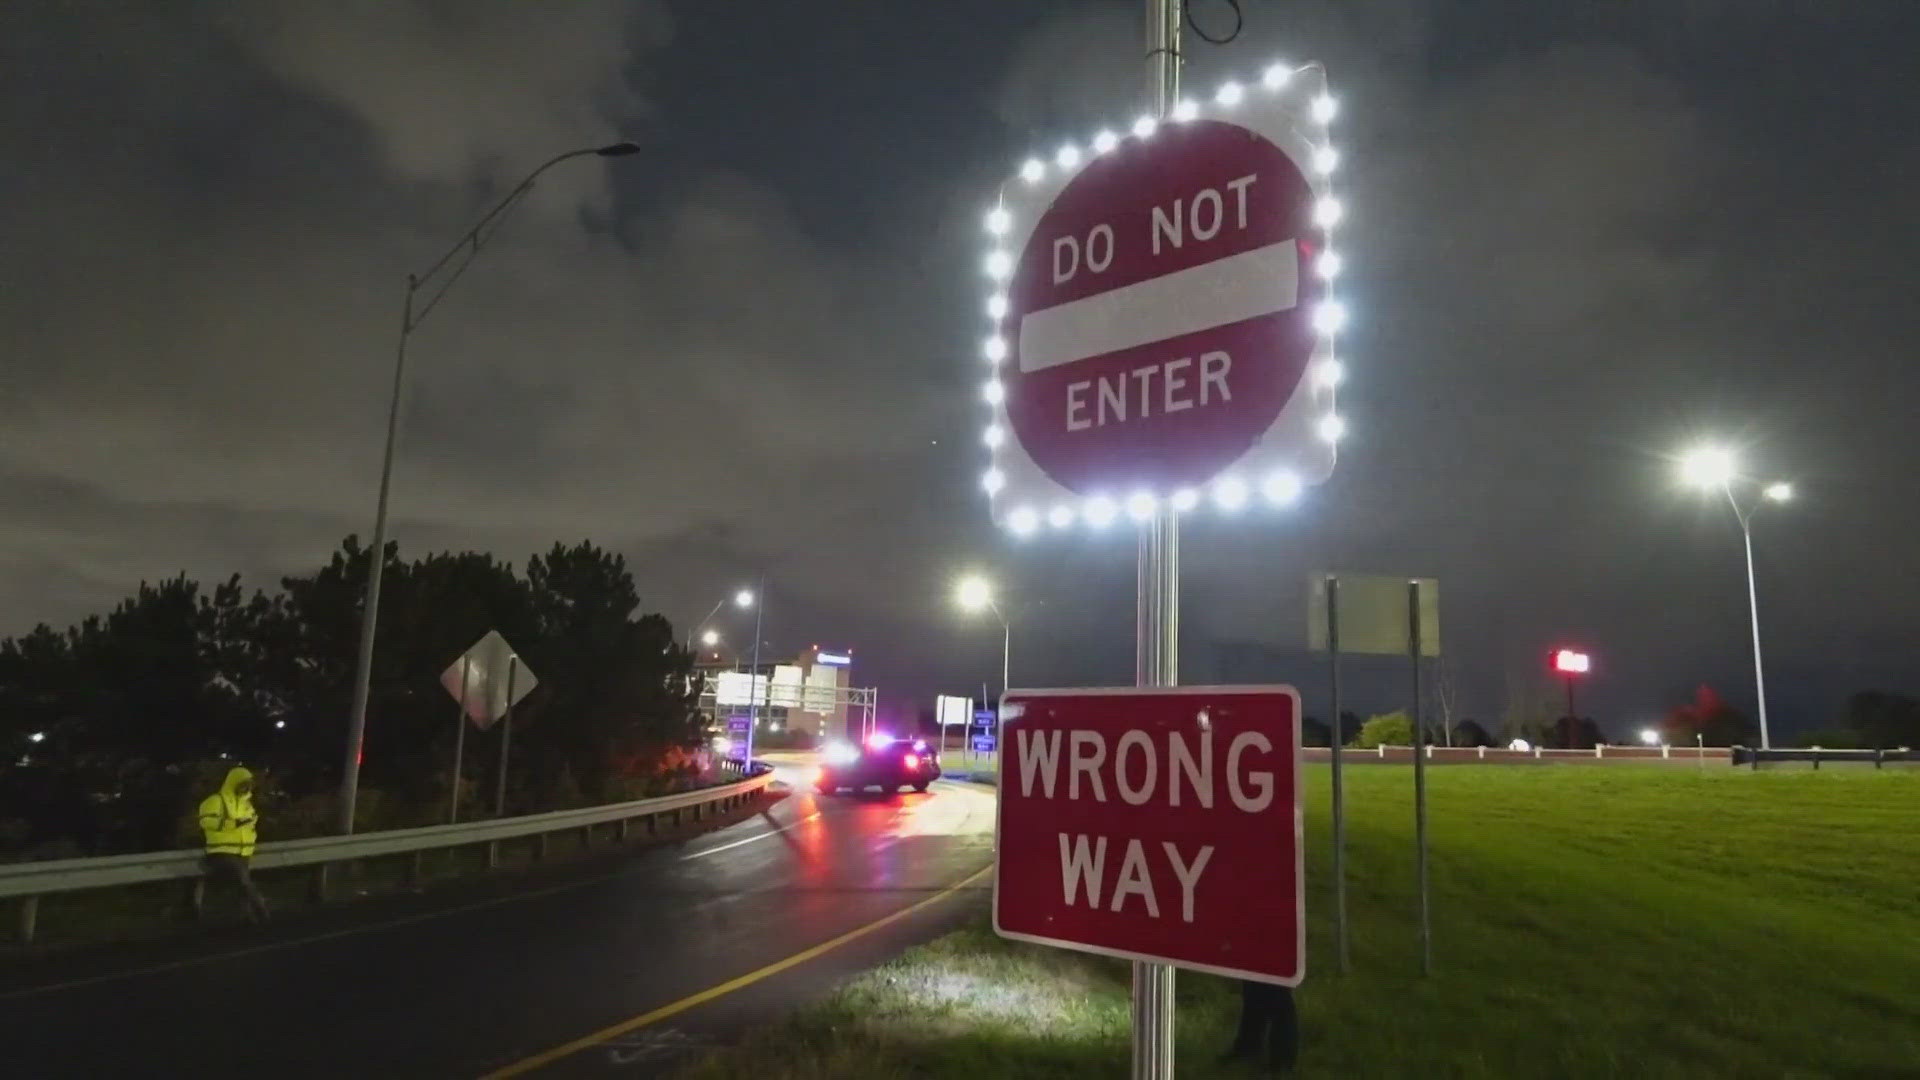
(509, 981)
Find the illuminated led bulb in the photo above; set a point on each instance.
(1330, 317)
(1144, 127)
(1100, 511)
(993, 481)
(1230, 493)
(1325, 160)
(1332, 428)
(1023, 521)
(993, 392)
(1276, 76)
(998, 220)
(1323, 108)
(997, 304)
(1033, 170)
(1328, 266)
(1185, 499)
(1229, 94)
(1068, 157)
(995, 349)
(1327, 212)
(1105, 141)
(1281, 488)
(1060, 517)
(1328, 374)
(1141, 505)
(994, 436)
(999, 264)
(1186, 110)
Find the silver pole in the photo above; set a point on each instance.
(1337, 736)
(376, 565)
(468, 246)
(459, 742)
(1753, 614)
(1157, 600)
(754, 692)
(1419, 780)
(1156, 663)
(506, 740)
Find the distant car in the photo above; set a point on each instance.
(884, 762)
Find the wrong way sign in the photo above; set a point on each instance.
(1162, 319)
(1158, 824)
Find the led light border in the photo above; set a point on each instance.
(1230, 492)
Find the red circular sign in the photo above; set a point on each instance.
(1158, 314)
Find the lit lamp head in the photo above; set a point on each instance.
(743, 598)
(973, 593)
(710, 638)
(1707, 467)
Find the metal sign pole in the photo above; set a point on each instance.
(1337, 737)
(755, 693)
(1157, 601)
(506, 740)
(1419, 779)
(459, 741)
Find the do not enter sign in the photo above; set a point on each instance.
(1163, 324)
(1158, 824)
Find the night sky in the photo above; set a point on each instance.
(1582, 236)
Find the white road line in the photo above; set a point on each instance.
(750, 839)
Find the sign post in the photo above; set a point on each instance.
(1376, 615)
(1163, 334)
(482, 681)
(1158, 824)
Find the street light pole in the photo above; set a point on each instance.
(753, 679)
(466, 248)
(1711, 467)
(1753, 617)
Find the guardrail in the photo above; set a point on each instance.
(1817, 755)
(28, 882)
(1501, 754)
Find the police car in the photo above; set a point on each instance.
(884, 762)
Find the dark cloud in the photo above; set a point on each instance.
(1577, 241)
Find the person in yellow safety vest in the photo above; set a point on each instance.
(228, 818)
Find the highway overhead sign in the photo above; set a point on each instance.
(1163, 328)
(1155, 823)
(485, 668)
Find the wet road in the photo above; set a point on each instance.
(507, 982)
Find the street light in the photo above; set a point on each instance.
(710, 638)
(465, 250)
(742, 599)
(1650, 736)
(1715, 468)
(974, 594)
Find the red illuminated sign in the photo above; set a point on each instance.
(1157, 824)
(1568, 662)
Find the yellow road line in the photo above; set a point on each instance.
(548, 1057)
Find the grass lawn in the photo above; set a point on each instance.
(1588, 921)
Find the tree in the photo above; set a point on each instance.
(1389, 729)
(130, 706)
(1573, 733)
(1708, 718)
(1446, 696)
(1470, 733)
(1315, 732)
(1882, 720)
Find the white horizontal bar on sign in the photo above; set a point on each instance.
(1257, 282)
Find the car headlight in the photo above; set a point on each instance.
(839, 753)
